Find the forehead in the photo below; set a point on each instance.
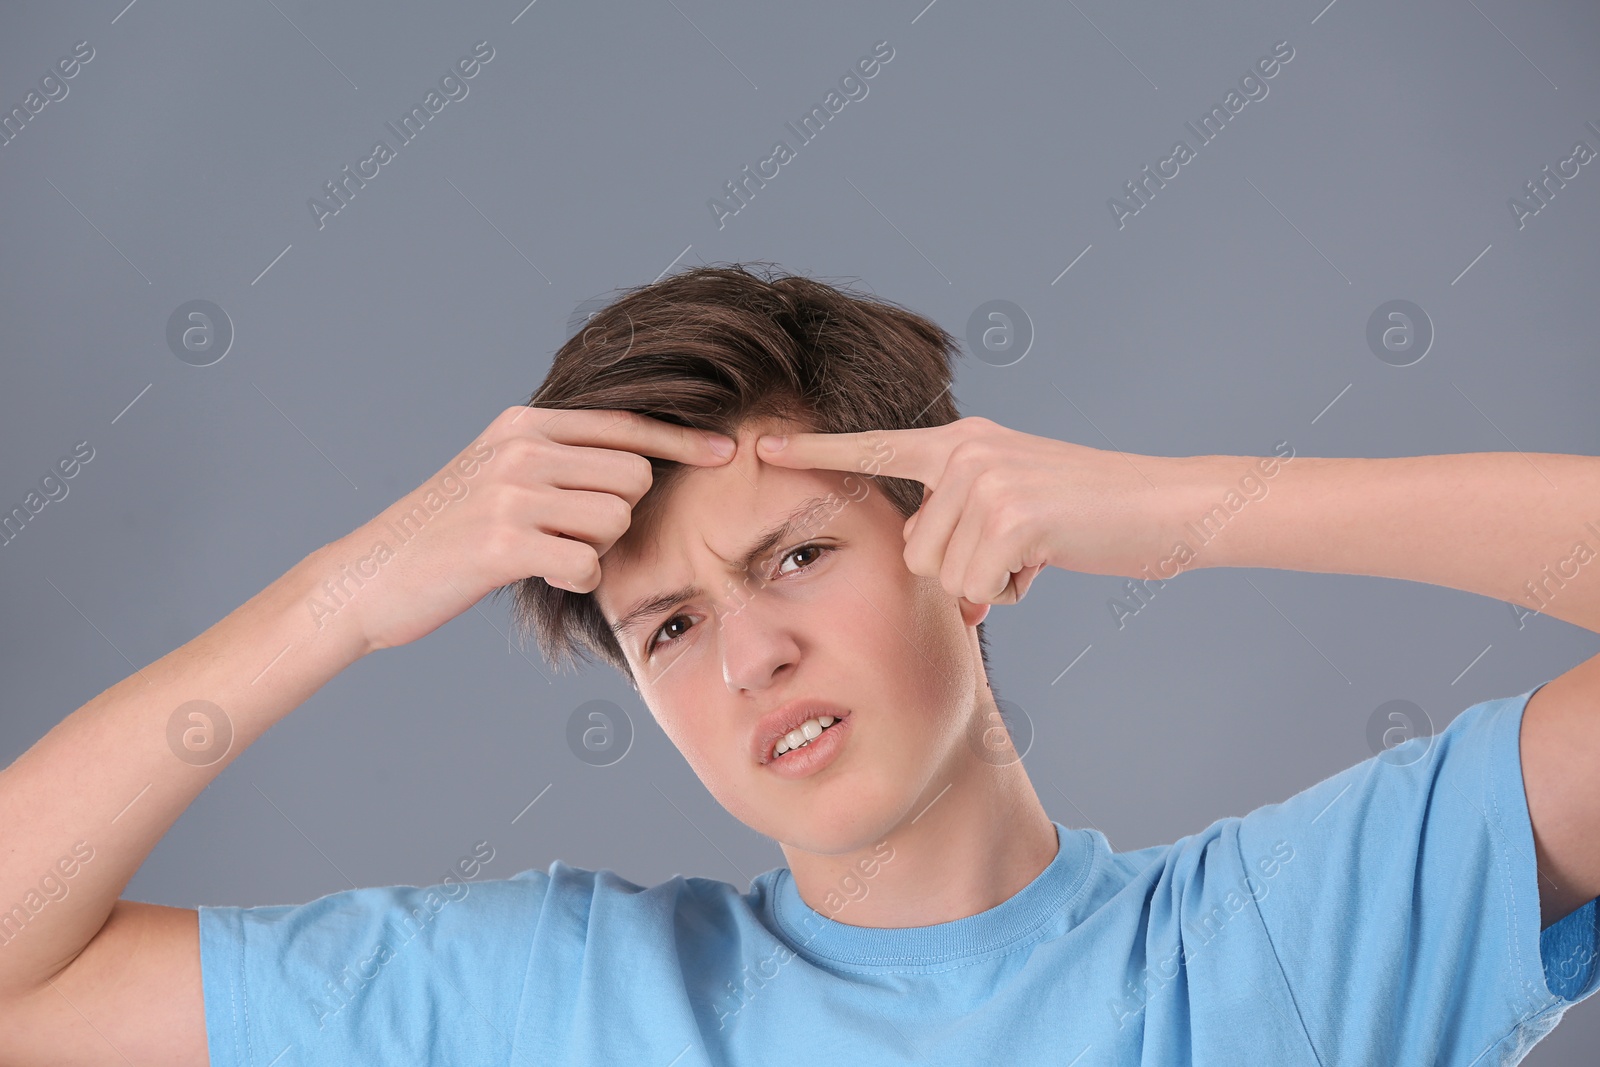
(722, 510)
(679, 498)
(718, 508)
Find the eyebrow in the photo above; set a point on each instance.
(791, 525)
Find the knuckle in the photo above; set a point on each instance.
(971, 451)
(626, 416)
(521, 450)
(585, 569)
(619, 513)
(502, 502)
(1007, 513)
(499, 543)
(642, 472)
(949, 579)
(518, 418)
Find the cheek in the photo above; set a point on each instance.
(910, 631)
(677, 724)
(692, 731)
(941, 639)
(932, 614)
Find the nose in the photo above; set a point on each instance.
(754, 640)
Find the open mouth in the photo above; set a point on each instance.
(803, 735)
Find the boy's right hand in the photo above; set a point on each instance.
(543, 492)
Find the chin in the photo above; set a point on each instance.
(853, 820)
(847, 809)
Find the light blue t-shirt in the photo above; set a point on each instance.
(1387, 915)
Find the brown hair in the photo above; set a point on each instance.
(714, 346)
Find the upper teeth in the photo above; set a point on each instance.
(801, 735)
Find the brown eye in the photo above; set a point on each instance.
(820, 550)
(655, 638)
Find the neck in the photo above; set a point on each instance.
(975, 838)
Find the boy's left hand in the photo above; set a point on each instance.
(999, 505)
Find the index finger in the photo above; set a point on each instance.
(916, 454)
(632, 432)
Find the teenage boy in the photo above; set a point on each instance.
(805, 624)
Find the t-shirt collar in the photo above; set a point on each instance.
(968, 939)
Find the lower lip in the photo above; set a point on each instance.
(803, 762)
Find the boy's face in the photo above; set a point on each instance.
(845, 622)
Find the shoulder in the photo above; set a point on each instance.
(578, 898)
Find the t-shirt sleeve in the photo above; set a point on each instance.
(399, 974)
(1407, 924)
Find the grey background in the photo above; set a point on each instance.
(1228, 315)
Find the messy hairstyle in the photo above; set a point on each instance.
(712, 347)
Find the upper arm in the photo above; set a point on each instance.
(1561, 775)
(133, 995)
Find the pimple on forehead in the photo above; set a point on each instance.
(699, 498)
(705, 504)
(710, 494)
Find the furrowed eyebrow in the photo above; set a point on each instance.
(792, 524)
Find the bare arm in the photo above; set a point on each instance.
(1501, 524)
(87, 978)
(86, 804)
(999, 505)
(1521, 528)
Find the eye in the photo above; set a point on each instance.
(819, 550)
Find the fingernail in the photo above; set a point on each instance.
(773, 444)
(722, 446)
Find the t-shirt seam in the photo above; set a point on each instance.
(1492, 773)
(1277, 959)
(527, 971)
(241, 996)
(1024, 938)
(1500, 837)
(1503, 846)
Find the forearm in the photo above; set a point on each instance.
(1524, 529)
(110, 779)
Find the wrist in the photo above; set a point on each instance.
(320, 596)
